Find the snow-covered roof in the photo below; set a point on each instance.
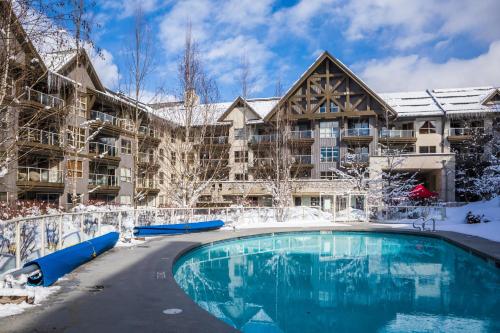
(203, 114)
(438, 102)
(262, 106)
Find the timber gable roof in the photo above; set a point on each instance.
(326, 56)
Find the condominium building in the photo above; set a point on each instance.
(66, 138)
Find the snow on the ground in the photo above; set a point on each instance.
(455, 219)
(129, 242)
(39, 293)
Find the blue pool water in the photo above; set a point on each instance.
(342, 282)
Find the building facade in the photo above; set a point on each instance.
(67, 139)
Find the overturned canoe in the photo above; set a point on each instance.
(174, 229)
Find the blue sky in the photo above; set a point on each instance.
(392, 45)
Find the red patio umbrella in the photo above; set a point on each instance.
(421, 192)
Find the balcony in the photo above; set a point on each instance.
(109, 123)
(397, 136)
(302, 137)
(148, 135)
(214, 163)
(215, 141)
(461, 134)
(148, 160)
(356, 159)
(36, 138)
(148, 185)
(357, 134)
(37, 98)
(262, 163)
(101, 150)
(40, 178)
(303, 161)
(102, 183)
(263, 139)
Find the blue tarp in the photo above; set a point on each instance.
(61, 262)
(173, 229)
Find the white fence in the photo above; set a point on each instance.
(25, 239)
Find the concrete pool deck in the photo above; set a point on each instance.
(127, 289)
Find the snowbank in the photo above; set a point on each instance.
(455, 219)
(38, 293)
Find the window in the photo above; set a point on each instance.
(333, 107)
(126, 175)
(239, 134)
(241, 176)
(322, 108)
(173, 158)
(328, 175)
(427, 149)
(125, 200)
(161, 200)
(328, 129)
(3, 196)
(329, 154)
(162, 178)
(81, 106)
(314, 201)
(162, 154)
(241, 157)
(427, 128)
(69, 198)
(126, 146)
(76, 137)
(75, 169)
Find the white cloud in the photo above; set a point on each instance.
(105, 67)
(128, 7)
(407, 24)
(415, 72)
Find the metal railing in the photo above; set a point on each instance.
(358, 132)
(302, 159)
(397, 133)
(263, 138)
(146, 131)
(102, 149)
(304, 134)
(401, 214)
(39, 136)
(465, 131)
(215, 140)
(39, 175)
(356, 158)
(105, 118)
(146, 157)
(126, 124)
(99, 179)
(42, 98)
(149, 183)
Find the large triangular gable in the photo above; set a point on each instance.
(85, 59)
(238, 101)
(327, 83)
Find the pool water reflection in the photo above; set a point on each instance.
(343, 282)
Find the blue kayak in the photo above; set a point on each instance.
(174, 229)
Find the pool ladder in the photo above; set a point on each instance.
(422, 226)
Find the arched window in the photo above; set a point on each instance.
(427, 128)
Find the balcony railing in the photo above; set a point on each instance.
(356, 158)
(98, 179)
(149, 183)
(397, 133)
(357, 132)
(215, 140)
(146, 131)
(102, 149)
(264, 138)
(127, 124)
(465, 131)
(302, 159)
(43, 98)
(105, 118)
(39, 175)
(146, 158)
(39, 136)
(299, 135)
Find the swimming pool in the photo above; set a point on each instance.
(343, 282)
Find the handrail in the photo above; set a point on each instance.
(397, 133)
(39, 175)
(260, 138)
(105, 118)
(302, 159)
(358, 132)
(100, 148)
(43, 98)
(37, 135)
(99, 179)
(301, 134)
(456, 131)
(147, 131)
